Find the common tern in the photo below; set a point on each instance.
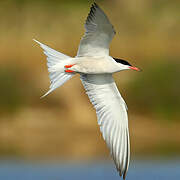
(96, 66)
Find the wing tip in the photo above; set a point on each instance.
(128, 156)
(92, 10)
(122, 174)
(123, 168)
(95, 6)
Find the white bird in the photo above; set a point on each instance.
(96, 67)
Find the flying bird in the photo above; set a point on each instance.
(96, 66)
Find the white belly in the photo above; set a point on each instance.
(90, 65)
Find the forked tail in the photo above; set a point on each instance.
(55, 63)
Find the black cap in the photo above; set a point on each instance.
(122, 61)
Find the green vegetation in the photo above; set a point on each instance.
(12, 89)
(156, 90)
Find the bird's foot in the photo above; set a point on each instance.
(69, 71)
(69, 66)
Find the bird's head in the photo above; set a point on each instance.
(124, 65)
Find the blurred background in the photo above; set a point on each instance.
(58, 137)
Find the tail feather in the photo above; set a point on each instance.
(57, 78)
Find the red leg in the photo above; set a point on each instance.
(69, 66)
(69, 71)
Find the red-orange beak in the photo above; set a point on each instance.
(134, 68)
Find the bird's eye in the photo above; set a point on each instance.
(122, 61)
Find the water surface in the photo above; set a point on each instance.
(139, 170)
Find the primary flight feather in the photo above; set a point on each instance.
(96, 67)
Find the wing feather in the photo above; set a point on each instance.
(112, 116)
(98, 33)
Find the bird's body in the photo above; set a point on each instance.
(96, 67)
(90, 65)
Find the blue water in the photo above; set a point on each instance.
(139, 170)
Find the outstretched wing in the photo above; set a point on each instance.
(112, 116)
(98, 34)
